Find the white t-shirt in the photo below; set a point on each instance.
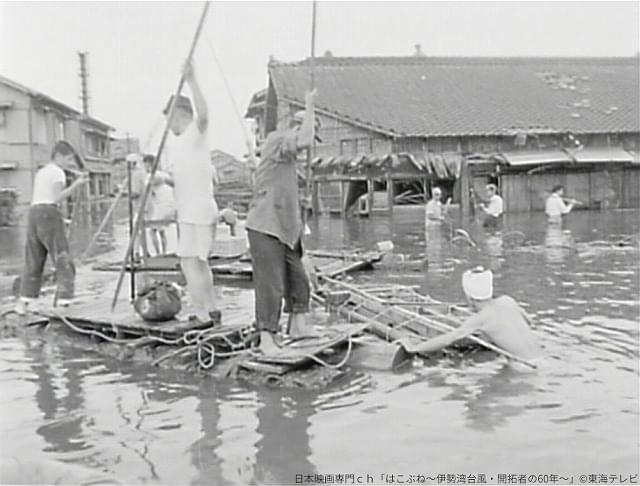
(192, 177)
(162, 203)
(45, 184)
(495, 206)
(555, 206)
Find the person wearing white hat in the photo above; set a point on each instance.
(500, 319)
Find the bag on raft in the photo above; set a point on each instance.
(158, 301)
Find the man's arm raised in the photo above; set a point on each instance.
(199, 100)
(306, 132)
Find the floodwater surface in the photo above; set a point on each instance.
(578, 414)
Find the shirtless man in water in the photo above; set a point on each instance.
(502, 320)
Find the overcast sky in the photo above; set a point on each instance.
(136, 48)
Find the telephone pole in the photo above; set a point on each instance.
(84, 75)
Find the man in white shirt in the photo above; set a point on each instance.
(162, 210)
(435, 211)
(193, 191)
(555, 206)
(493, 208)
(45, 229)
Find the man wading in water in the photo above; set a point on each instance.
(274, 224)
(45, 229)
(502, 320)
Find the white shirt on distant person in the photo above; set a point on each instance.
(45, 184)
(555, 207)
(495, 206)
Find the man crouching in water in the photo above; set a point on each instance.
(502, 320)
(275, 228)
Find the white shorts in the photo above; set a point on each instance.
(163, 213)
(195, 240)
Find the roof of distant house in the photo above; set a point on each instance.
(449, 96)
(220, 157)
(55, 103)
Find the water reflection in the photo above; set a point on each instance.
(558, 243)
(203, 451)
(149, 425)
(283, 449)
(60, 397)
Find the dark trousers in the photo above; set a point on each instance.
(278, 274)
(492, 222)
(46, 236)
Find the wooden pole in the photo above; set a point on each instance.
(311, 150)
(105, 219)
(156, 162)
(130, 256)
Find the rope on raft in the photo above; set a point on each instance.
(193, 339)
(198, 340)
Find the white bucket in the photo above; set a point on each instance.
(385, 246)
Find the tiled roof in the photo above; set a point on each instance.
(417, 96)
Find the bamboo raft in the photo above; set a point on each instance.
(239, 266)
(360, 325)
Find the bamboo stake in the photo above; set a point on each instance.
(103, 223)
(432, 323)
(156, 162)
(311, 150)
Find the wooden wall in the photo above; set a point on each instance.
(597, 187)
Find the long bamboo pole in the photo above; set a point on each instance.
(156, 162)
(311, 150)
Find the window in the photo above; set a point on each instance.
(348, 147)
(93, 143)
(364, 145)
(61, 129)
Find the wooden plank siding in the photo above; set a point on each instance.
(595, 186)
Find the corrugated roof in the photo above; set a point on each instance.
(424, 96)
(552, 156)
(602, 154)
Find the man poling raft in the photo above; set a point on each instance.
(275, 229)
(501, 319)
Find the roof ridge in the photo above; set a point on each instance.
(456, 60)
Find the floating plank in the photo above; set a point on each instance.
(373, 354)
(300, 352)
(330, 264)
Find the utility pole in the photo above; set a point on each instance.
(84, 75)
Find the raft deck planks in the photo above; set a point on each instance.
(298, 353)
(97, 315)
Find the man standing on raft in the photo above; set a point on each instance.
(275, 228)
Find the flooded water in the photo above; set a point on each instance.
(579, 414)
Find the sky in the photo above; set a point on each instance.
(136, 49)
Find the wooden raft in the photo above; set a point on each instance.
(123, 321)
(297, 353)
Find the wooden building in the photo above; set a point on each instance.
(229, 169)
(526, 123)
(30, 124)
